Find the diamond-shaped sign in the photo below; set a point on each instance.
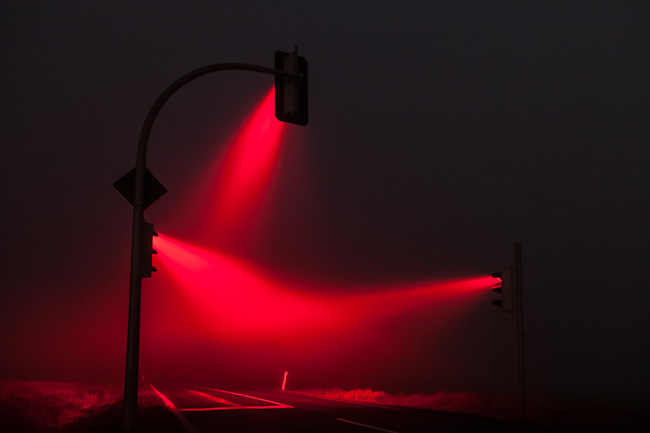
(153, 189)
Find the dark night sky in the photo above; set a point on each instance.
(439, 135)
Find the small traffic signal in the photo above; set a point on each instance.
(506, 288)
(146, 250)
(291, 92)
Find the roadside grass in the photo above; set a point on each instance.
(500, 407)
(65, 407)
(34, 406)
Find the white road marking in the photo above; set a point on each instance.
(215, 398)
(366, 425)
(250, 396)
(210, 409)
(185, 424)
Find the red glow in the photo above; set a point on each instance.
(244, 173)
(219, 303)
(231, 299)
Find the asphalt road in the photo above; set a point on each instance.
(207, 410)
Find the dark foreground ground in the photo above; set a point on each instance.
(62, 407)
(54, 407)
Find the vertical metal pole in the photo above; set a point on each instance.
(520, 331)
(133, 336)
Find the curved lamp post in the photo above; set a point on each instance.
(291, 98)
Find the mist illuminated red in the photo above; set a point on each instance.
(243, 174)
(232, 299)
(214, 295)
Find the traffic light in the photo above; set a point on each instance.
(506, 288)
(146, 250)
(291, 92)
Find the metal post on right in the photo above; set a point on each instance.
(520, 331)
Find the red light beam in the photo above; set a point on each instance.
(231, 299)
(244, 173)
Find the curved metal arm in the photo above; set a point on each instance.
(164, 96)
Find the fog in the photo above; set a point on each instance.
(439, 136)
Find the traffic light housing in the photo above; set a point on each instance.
(506, 288)
(146, 250)
(291, 92)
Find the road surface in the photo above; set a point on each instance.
(205, 410)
